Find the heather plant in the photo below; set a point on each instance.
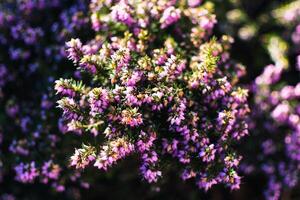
(276, 124)
(157, 90)
(32, 37)
(156, 83)
(273, 148)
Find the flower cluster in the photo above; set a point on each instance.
(158, 85)
(32, 43)
(275, 121)
(27, 173)
(276, 113)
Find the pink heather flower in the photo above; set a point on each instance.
(179, 113)
(271, 74)
(268, 169)
(19, 147)
(297, 90)
(142, 145)
(74, 50)
(111, 153)
(121, 58)
(287, 92)
(82, 157)
(169, 17)
(205, 183)
(26, 173)
(293, 143)
(207, 23)
(289, 16)
(281, 112)
(188, 174)
(273, 191)
(85, 185)
(131, 118)
(95, 22)
(298, 63)
(150, 175)
(63, 87)
(58, 187)
(230, 177)
(134, 78)
(235, 182)
(231, 161)
(194, 3)
(12, 110)
(296, 35)
(150, 157)
(208, 153)
(99, 101)
(50, 171)
(121, 13)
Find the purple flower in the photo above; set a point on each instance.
(26, 173)
(121, 13)
(74, 50)
(169, 17)
(208, 153)
(280, 113)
